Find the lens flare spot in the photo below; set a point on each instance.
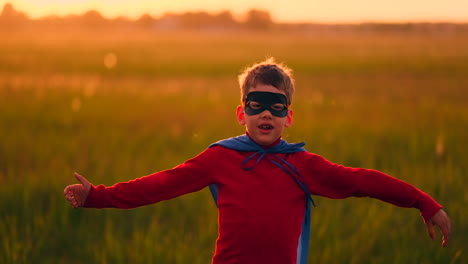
(110, 60)
(440, 147)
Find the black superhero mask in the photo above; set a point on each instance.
(257, 102)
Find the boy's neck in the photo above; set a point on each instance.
(265, 146)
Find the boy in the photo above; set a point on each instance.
(261, 184)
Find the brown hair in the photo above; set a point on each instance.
(267, 72)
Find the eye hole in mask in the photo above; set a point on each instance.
(257, 102)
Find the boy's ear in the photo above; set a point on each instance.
(289, 118)
(240, 115)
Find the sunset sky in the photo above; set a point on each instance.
(281, 11)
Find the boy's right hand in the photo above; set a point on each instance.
(76, 194)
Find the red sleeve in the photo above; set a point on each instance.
(191, 176)
(337, 182)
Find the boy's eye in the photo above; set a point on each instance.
(278, 107)
(255, 105)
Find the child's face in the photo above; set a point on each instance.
(264, 128)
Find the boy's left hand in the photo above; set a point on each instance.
(441, 220)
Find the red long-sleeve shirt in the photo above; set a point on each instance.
(261, 210)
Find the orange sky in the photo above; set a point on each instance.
(281, 11)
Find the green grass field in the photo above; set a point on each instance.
(395, 103)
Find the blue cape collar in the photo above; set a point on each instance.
(245, 143)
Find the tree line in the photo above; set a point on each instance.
(254, 19)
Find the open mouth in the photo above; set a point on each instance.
(265, 127)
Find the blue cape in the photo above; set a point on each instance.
(245, 144)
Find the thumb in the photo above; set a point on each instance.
(431, 230)
(86, 184)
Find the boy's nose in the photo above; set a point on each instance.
(266, 114)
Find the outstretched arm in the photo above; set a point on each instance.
(441, 220)
(190, 176)
(336, 181)
(76, 194)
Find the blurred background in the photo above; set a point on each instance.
(116, 90)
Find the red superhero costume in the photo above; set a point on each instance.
(260, 210)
